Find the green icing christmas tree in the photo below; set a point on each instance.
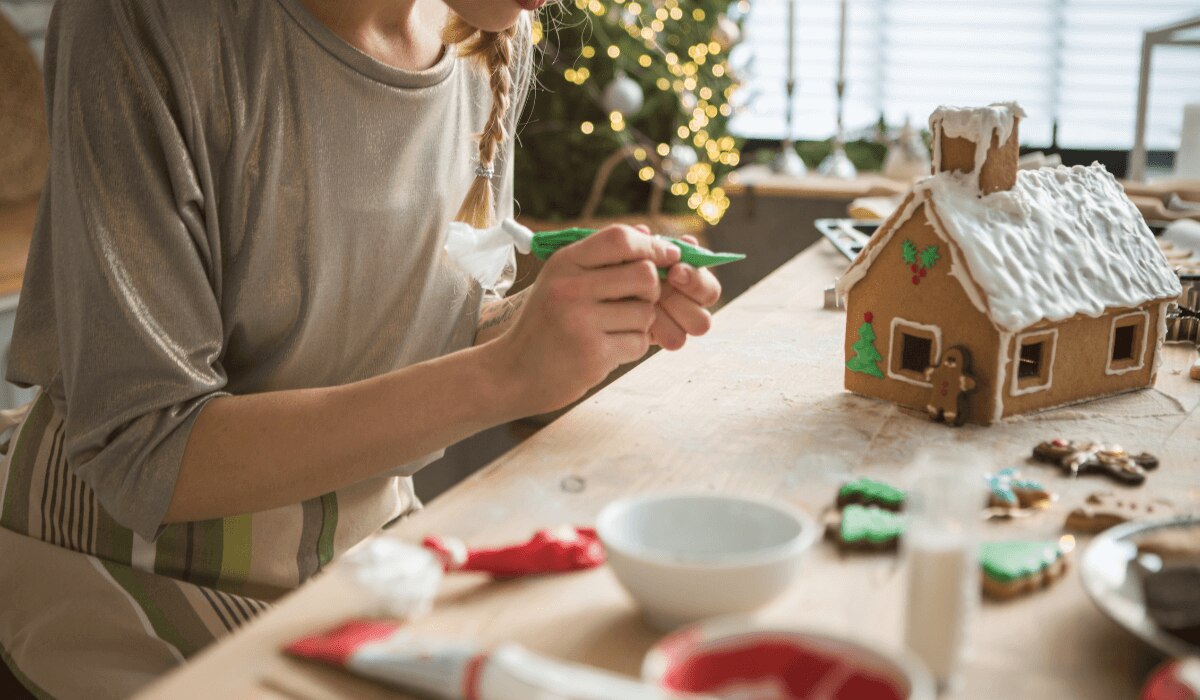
(635, 95)
(866, 358)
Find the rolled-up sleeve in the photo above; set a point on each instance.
(135, 267)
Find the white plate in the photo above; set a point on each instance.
(1111, 578)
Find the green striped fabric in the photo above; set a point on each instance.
(198, 580)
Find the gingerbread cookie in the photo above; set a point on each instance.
(1173, 600)
(1013, 568)
(952, 381)
(1172, 545)
(1105, 509)
(868, 492)
(1083, 457)
(1009, 495)
(864, 528)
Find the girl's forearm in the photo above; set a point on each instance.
(260, 451)
(495, 317)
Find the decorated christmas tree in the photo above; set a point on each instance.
(631, 115)
(866, 358)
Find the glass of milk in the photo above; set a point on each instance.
(941, 548)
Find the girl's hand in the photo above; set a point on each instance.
(682, 308)
(591, 310)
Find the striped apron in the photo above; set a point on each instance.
(89, 609)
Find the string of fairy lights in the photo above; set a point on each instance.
(697, 74)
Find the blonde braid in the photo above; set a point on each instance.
(494, 52)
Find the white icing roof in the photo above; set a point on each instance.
(1063, 241)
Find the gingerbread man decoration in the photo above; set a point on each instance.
(952, 382)
(1083, 457)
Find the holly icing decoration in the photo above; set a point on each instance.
(1011, 561)
(919, 261)
(869, 491)
(870, 524)
(866, 358)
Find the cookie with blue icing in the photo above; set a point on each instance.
(1010, 495)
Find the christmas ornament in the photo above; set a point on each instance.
(624, 96)
(727, 33)
(679, 160)
(907, 157)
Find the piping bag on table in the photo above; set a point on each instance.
(484, 252)
(404, 578)
(383, 652)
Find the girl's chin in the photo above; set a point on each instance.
(531, 4)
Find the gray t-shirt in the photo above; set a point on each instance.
(238, 201)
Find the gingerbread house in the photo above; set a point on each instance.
(1048, 279)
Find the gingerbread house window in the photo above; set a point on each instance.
(1033, 362)
(914, 348)
(1127, 342)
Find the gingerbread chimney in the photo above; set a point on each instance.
(980, 141)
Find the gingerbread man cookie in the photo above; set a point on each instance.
(1106, 509)
(1010, 496)
(951, 382)
(1083, 457)
(1014, 568)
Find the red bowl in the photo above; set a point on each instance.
(732, 658)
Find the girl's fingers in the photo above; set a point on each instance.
(633, 280)
(692, 318)
(620, 244)
(698, 284)
(666, 333)
(628, 347)
(626, 316)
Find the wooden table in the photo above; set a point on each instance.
(755, 408)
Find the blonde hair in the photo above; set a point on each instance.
(506, 56)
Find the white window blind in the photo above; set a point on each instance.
(1070, 62)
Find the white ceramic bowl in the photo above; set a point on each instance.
(684, 557)
(733, 658)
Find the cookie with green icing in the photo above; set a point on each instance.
(868, 492)
(1013, 568)
(864, 527)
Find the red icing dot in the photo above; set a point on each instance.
(916, 279)
(913, 267)
(922, 273)
(868, 317)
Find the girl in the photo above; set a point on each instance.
(243, 326)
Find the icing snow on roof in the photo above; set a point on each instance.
(1063, 241)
